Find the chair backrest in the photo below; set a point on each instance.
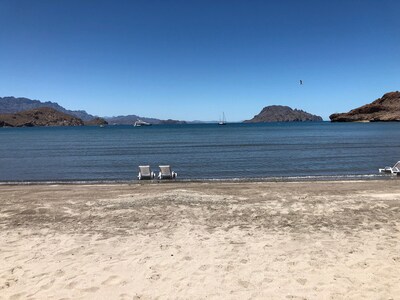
(397, 165)
(145, 170)
(165, 170)
(395, 170)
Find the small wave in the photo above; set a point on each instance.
(188, 180)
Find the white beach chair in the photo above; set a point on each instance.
(393, 170)
(145, 173)
(166, 173)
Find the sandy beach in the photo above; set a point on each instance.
(215, 240)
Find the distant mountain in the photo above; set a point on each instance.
(386, 109)
(96, 122)
(131, 119)
(279, 113)
(44, 116)
(11, 105)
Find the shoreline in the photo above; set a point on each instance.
(311, 178)
(196, 240)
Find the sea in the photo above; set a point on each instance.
(236, 151)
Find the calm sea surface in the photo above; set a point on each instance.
(205, 151)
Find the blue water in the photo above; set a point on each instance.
(198, 151)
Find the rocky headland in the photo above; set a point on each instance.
(384, 109)
(279, 113)
(44, 116)
(12, 105)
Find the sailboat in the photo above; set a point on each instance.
(223, 121)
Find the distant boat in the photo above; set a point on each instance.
(223, 121)
(140, 123)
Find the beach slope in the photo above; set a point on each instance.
(245, 240)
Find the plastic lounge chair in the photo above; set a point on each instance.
(145, 173)
(166, 173)
(393, 170)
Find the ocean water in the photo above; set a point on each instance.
(198, 151)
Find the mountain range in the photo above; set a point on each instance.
(386, 108)
(12, 105)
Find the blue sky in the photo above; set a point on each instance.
(195, 59)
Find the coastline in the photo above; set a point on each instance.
(310, 178)
(224, 239)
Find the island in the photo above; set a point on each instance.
(384, 109)
(280, 113)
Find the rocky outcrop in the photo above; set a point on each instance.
(96, 122)
(44, 116)
(12, 105)
(279, 113)
(384, 109)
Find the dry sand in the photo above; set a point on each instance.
(304, 240)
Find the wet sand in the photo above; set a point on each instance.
(245, 240)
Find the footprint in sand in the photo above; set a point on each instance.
(155, 277)
(126, 297)
(204, 267)
(112, 280)
(295, 297)
(47, 285)
(144, 260)
(72, 285)
(244, 283)
(229, 268)
(91, 289)
(268, 280)
(17, 296)
(302, 281)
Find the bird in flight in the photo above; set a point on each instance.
(301, 82)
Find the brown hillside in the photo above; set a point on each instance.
(44, 116)
(385, 109)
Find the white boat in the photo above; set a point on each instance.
(223, 121)
(140, 123)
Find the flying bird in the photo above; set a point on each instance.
(301, 82)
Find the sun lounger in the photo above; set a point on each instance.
(393, 170)
(145, 173)
(166, 173)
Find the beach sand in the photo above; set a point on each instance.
(216, 240)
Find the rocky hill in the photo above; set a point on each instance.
(279, 113)
(44, 116)
(385, 109)
(11, 105)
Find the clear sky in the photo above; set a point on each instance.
(192, 60)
